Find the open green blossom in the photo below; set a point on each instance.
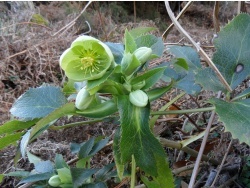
(86, 59)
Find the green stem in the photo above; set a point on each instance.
(183, 111)
(53, 127)
(133, 170)
(153, 119)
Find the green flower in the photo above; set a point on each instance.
(85, 100)
(86, 59)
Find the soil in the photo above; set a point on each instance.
(29, 56)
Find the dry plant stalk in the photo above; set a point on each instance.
(198, 48)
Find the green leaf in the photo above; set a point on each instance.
(80, 175)
(38, 102)
(151, 41)
(187, 53)
(36, 177)
(235, 116)
(117, 153)
(24, 142)
(208, 79)
(60, 162)
(86, 148)
(105, 173)
(1, 177)
(65, 175)
(41, 125)
(16, 125)
(117, 50)
(18, 174)
(136, 137)
(150, 77)
(98, 146)
(44, 166)
(129, 64)
(165, 177)
(93, 85)
(137, 32)
(9, 139)
(185, 79)
(33, 159)
(158, 92)
(182, 63)
(130, 45)
(244, 94)
(232, 55)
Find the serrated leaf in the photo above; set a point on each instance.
(44, 167)
(105, 173)
(244, 94)
(36, 177)
(9, 139)
(86, 148)
(117, 153)
(16, 125)
(232, 56)
(60, 162)
(188, 53)
(137, 32)
(18, 174)
(185, 79)
(80, 175)
(208, 79)
(98, 146)
(136, 137)
(41, 125)
(165, 177)
(117, 50)
(235, 116)
(151, 41)
(150, 77)
(24, 142)
(38, 102)
(130, 45)
(33, 159)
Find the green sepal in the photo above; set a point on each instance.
(99, 111)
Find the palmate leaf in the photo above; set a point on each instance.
(232, 56)
(38, 102)
(136, 137)
(235, 116)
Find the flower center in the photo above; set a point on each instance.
(87, 62)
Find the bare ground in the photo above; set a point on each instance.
(29, 57)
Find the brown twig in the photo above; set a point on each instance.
(70, 24)
(203, 144)
(222, 162)
(216, 17)
(164, 35)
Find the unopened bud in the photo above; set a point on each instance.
(143, 54)
(138, 98)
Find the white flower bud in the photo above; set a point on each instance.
(143, 54)
(55, 181)
(138, 98)
(83, 99)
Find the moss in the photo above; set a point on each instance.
(39, 19)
